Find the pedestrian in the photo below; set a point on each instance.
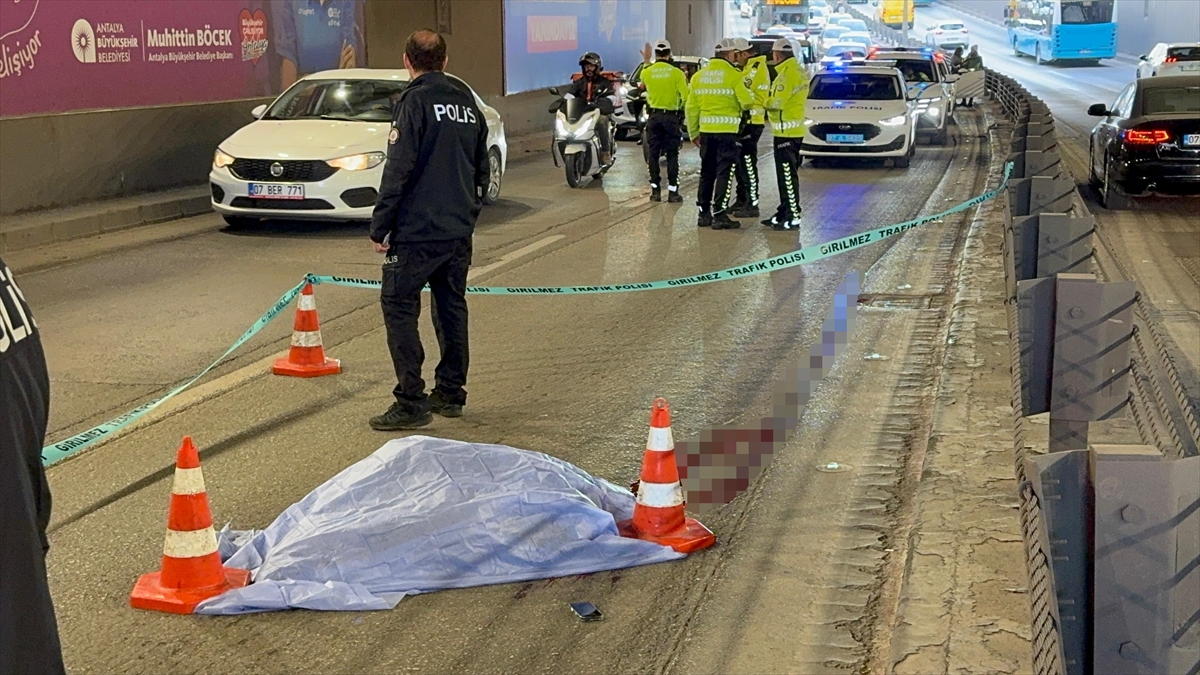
(973, 61)
(714, 116)
(429, 199)
(666, 93)
(28, 630)
(758, 80)
(956, 60)
(785, 111)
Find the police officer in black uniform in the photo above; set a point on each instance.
(429, 199)
(28, 631)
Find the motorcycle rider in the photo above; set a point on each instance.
(758, 80)
(714, 116)
(785, 112)
(592, 87)
(666, 93)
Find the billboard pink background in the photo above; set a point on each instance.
(44, 68)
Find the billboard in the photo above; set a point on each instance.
(67, 55)
(543, 39)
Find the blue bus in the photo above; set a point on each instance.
(1063, 30)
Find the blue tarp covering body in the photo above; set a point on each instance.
(423, 514)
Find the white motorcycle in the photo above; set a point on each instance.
(576, 145)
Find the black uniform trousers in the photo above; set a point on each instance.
(409, 266)
(663, 135)
(787, 167)
(718, 153)
(747, 166)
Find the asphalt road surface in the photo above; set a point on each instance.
(570, 376)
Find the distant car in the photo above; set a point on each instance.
(856, 25)
(857, 2)
(841, 52)
(780, 30)
(1177, 58)
(837, 18)
(860, 37)
(317, 151)
(816, 25)
(1148, 140)
(930, 87)
(859, 111)
(833, 34)
(947, 34)
(747, 10)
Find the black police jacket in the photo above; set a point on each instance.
(28, 633)
(437, 165)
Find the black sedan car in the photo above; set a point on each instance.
(1148, 141)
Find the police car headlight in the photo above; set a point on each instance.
(933, 112)
(222, 159)
(367, 160)
(894, 121)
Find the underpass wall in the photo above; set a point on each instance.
(695, 26)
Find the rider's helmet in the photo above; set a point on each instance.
(592, 58)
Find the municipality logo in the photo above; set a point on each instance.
(83, 41)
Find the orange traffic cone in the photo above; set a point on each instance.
(191, 567)
(658, 514)
(306, 358)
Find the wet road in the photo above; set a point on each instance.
(568, 376)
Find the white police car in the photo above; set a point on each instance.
(930, 86)
(859, 111)
(317, 151)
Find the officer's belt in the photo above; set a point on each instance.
(651, 111)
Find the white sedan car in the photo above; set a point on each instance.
(859, 111)
(1179, 58)
(317, 152)
(948, 34)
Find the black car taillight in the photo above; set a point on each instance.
(1145, 136)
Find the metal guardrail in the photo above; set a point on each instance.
(1048, 657)
(1111, 539)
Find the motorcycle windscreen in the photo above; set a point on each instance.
(574, 108)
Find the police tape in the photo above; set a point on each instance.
(59, 451)
(804, 256)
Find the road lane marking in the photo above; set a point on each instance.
(510, 257)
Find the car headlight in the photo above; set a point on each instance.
(222, 159)
(894, 121)
(932, 112)
(560, 127)
(367, 160)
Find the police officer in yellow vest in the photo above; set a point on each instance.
(785, 113)
(758, 80)
(666, 93)
(714, 116)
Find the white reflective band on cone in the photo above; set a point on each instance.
(188, 481)
(660, 439)
(306, 338)
(190, 544)
(308, 301)
(660, 494)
